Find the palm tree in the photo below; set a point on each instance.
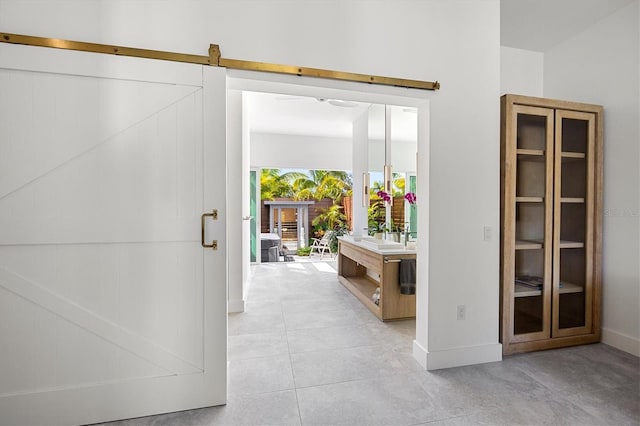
(274, 184)
(321, 184)
(271, 185)
(304, 187)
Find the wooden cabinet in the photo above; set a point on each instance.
(551, 221)
(363, 270)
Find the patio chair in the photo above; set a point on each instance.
(321, 245)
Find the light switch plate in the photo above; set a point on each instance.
(488, 233)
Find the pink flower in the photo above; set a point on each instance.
(385, 197)
(410, 197)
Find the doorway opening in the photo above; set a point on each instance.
(333, 155)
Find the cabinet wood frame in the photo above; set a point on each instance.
(355, 264)
(551, 335)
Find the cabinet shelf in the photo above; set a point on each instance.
(564, 244)
(522, 290)
(531, 155)
(575, 155)
(529, 199)
(363, 288)
(574, 200)
(538, 244)
(537, 152)
(528, 244)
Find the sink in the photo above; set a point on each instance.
(357, 238)
(382, 244)
(362, 238)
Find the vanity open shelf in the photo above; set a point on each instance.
(363, 268)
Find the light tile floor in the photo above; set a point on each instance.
(307, 352)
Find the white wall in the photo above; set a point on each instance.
(270, 150)
(464, 174)
(278, 151)
(600, 66)
(454, 41)
(521, 71)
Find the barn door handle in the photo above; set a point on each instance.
(213, 215)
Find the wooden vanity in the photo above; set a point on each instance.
(362, 268)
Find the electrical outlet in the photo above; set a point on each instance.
(462, 312)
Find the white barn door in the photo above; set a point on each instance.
(109, 306)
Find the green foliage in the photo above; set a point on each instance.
(316, 184)
(304, 251)
(376, 213)
(397, 190)
(375, 217)
(331, 217)
(321, 184)
(375, 227)
(391, 227)
(375, 187)
(399, 185)
(274, 185)
(319, 230)
(338, 231)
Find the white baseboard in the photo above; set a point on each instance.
(420, 354)
(621, 341)
(457, 357)
(236, 305)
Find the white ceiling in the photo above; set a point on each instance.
(299, 115)
(525, 24)
(541, 24)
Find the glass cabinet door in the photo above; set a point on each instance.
(532, 161)
(573, 219)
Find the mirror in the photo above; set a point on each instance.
(398, 149)
(404, 149)
(376, 212)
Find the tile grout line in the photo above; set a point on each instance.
(293, 376)
(356, 380)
